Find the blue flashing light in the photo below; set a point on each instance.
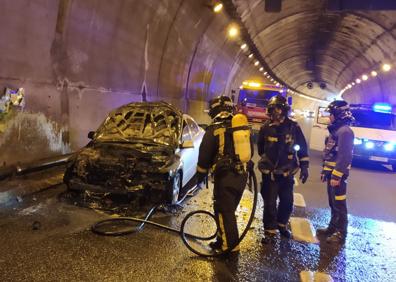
(369, 145)
(389, 147)
(296, 147)
(382, 108)
(357, 141)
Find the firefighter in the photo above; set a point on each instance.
(283, 150)
(337, 159)
(225, 153)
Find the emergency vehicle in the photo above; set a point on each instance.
(374, 129)
(252, 101)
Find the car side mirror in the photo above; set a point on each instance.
(188, 144)
(91, 134)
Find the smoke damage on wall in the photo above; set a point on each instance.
(30, 136)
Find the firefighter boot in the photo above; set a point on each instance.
(269, 237)
(325, 231)
(336, 238)
(284, 231)
(216, 245)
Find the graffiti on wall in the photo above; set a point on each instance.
(11, 100)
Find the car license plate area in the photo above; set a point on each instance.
(378, 159)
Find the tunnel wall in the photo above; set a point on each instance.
(78, 59)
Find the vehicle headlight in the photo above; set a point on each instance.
(357, 141)
(369, 145)
(389, 147)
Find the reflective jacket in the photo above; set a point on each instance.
(282, 148)
(337, 155)
(217, 148)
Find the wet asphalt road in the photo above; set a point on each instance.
(48, 238)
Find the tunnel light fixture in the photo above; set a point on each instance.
(358, 80)
(233, 31)
(353, 83)
(250, 56)
(364, 77)
(272, 79)
(217, 7)
(261, 69)
(256, 63)
(243, 46)
(386, 67)
(265, 72)
(374, 73)
(240, 87)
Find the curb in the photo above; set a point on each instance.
(19, 188)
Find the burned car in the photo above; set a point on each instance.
(147, 147)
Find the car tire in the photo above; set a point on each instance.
(176, 188)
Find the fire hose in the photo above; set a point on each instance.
(252, 184)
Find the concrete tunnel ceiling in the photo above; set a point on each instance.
(308, 42)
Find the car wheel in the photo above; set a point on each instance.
(176, 187)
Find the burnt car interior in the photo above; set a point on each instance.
(160, 125)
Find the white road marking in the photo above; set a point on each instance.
(299, 200)
(310, 276)
(302, 230)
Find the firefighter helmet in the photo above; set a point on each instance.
(278, 101)
(339, 109)
(220, 104)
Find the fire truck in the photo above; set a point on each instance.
(252, 101)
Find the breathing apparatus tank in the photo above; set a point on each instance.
(241, 137)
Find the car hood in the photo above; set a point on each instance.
(124, 158)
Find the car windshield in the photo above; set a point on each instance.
(371, 119)
(141, 123)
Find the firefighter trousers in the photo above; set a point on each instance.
(227, 193)
(338, 206)
(272, 188)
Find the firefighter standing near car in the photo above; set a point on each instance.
(337, 159)
(283, 150)
(225, 150)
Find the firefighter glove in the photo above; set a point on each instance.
(304, 174)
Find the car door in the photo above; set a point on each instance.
(196, 134)
(187, 154)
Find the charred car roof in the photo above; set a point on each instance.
(156, 122)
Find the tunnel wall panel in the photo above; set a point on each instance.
(78, 60)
